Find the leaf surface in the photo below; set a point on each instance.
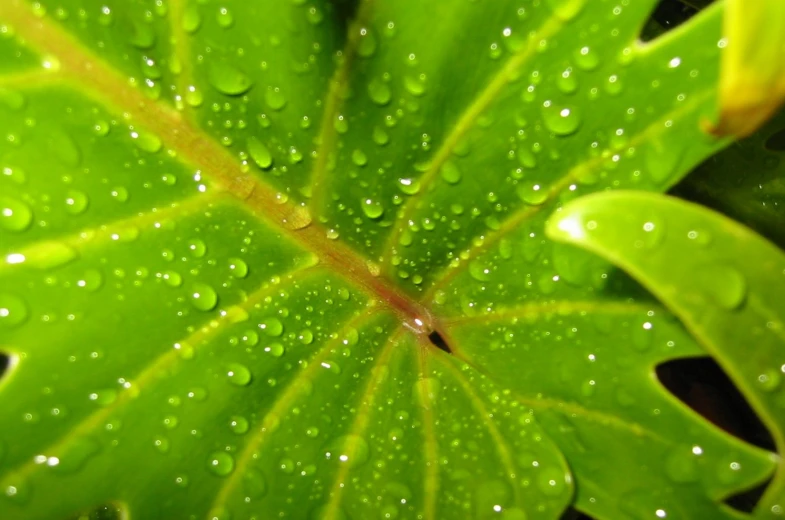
(723, 281)
(232, 233)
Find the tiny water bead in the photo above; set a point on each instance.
(220, 463)
(203, 297)
(238, 374)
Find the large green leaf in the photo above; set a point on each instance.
(233, 231)
(723, 281)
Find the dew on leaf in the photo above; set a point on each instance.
(224, 18)
(228, 79)
(220, 463)
(13, 310)
(238, 374)
(359, 158)
(379, 92)
(259, 153)
(450, 173)
(560, 119)
(380, 136)
(532, 193)
(722, 285)
(15, 215)
(203, 297)
(238, 267)
(372, 209)
(75, 202)
(238, 424)
(172, 278)
(366, 45)
(197, 247)
(274, 98)
(275, 349)
(351, 450)
(272, 326)
(409, 186)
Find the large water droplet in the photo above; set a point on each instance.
(366, 45)
(15, 215)
(13, 310)
(274, 98)
(228, 79)
(349, 449)
(220, 463)
(203, 297)
(372, 209)
(379, 92)
(560, 119)
(450, 173)
(238, 374)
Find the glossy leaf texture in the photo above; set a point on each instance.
(235, 234)
(724, 282)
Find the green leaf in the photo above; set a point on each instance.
(746, 181)
(724, 282)
(239, 237)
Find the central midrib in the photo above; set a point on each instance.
(199, 150)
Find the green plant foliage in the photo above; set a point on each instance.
(232, 234)
(689, 257)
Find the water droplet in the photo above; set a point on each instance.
(228, 79)
(769, 380)
(274, 98)
(15, 215)
(238, 424)
(379, 92)
(366, 45)
(103, 397)
(224, 18)
(172, 278)
(197, 247)
(414, 85)
(147, 141)
(181, 481)
(380, 136)
(142, 35)
(681, 464)
(359, 158)
(13, 310)
(75, 202)
(722, 284)
(275, 349)
(203, 297)
(75, 455)
(532, 193)
(101, 128)
(220, 463)
(351, 450)
(238, 268)
(552, 482)
(259, 153)
(566, 81)
(560, 119)
(161, 444)
(371, 208)
(479, 271)
(238, 374)
(409, 186)
(587, 58)
(272, 326)
(450, 173)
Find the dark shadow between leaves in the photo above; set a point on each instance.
(670, 14)
(776, 141)
(5, 362)
(701, 384)
(573, 514)
(438, 341)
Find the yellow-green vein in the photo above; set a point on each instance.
(292, 391)
(197, 148)
(501, 444)
(430, 445)
(163, 362)
(467, 120)
(41, 251)
(180, 52)
(30, 79)
(516, 218)
(339, 85)
(357, 428)
(530, 311)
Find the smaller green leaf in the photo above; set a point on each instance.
(725, 283)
